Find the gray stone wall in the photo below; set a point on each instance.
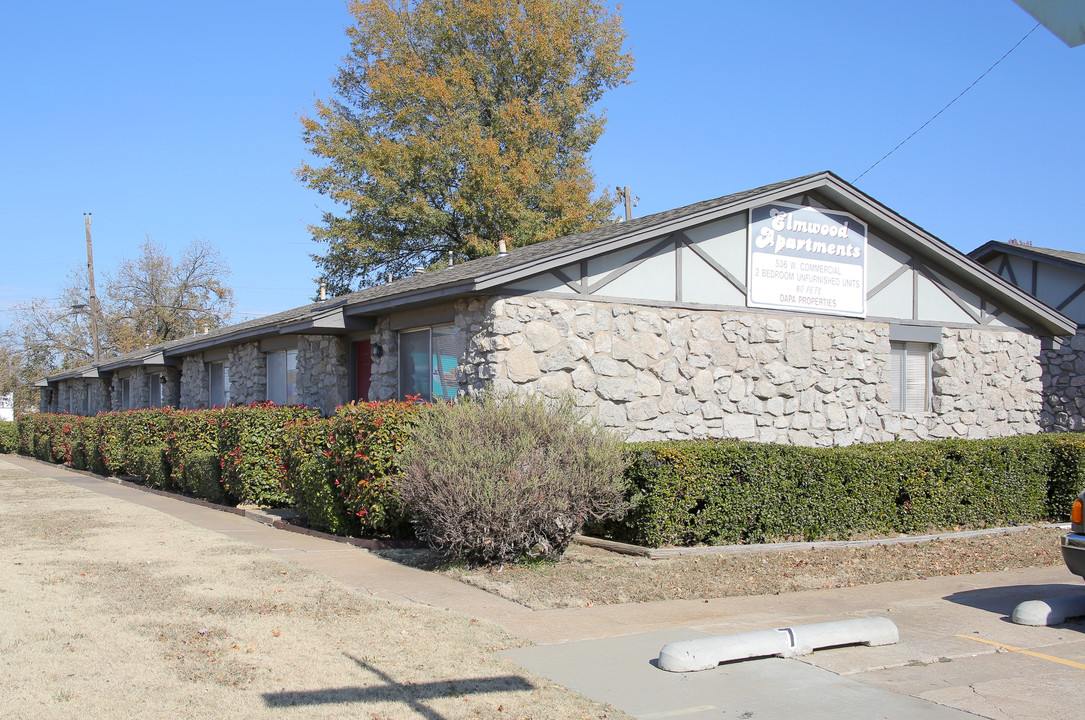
(248, 374)
(140, 388)
(193, 382)
(670, 374)
(1064, 386)
(63, 396)
(171, 389)
(384, 384)
(116, 393)
(323, 379)
(987, 383)
(47, 399)
(100, 399)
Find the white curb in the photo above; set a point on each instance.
(707, 653)
(1049, 612)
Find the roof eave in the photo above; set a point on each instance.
(956, 264)
(993, 247)
(404, 300)
(201, 344)
(334, 322)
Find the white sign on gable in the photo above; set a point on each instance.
(806, 259)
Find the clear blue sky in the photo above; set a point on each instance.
(179, 121)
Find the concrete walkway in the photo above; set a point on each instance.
(960, 619)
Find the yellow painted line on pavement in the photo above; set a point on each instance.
(1052, 658)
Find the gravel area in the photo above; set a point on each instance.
(591, 576)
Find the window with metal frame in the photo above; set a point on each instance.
(282, 377)
(218, 384)
(156, 390)
(910, 376)
(428, 358)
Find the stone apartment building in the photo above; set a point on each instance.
(802, 312)
(1057, 277)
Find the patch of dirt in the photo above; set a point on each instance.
(591, 576)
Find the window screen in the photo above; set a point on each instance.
(909, 376)
(414, 370)
(444, 359)
(291, 377)
(216, 380)
(276, 378)
(156, 390)
(427, 362)
(282, 376)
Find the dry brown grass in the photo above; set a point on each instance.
(589, 576)
(109, 609)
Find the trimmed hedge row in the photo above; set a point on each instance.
(9, 437)
(336, 471)
(688, 493)
(340, 471)
(225, 455)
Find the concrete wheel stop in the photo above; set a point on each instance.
(1049, 612)
(707, 653)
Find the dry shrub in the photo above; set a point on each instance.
(494, 479)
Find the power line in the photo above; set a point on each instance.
(883, 157)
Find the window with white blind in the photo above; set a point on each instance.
(427, 362)
(218, 384)
(910, 376)
(282, 377)
(156, 389)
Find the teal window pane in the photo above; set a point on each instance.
(414, 364)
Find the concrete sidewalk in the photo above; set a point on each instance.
(961, 620)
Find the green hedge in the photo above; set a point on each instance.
(151, 464)
(9, 437)
(250, 445)
(174, 449)
(340, 470)
(201, 476)
(191, 441)
(687, 493)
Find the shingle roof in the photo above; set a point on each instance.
(469, 271)
(986, 250)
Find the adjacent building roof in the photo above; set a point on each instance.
(985, 252)
(358, 310)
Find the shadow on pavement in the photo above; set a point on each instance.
(1002, 600)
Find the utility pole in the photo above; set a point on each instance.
(94, 311)
(628, 203)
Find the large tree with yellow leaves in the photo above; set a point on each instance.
(458, 123)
